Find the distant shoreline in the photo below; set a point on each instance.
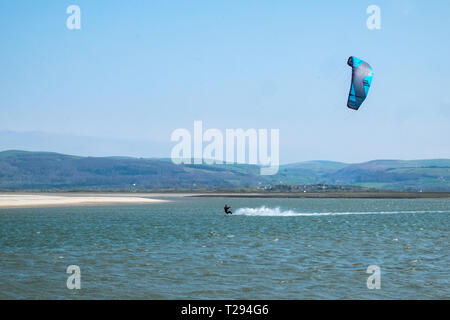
(332, 195)
(83, 198)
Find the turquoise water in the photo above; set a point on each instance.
(268, 249)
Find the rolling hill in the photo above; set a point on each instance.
(44, 171)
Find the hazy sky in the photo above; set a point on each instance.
(137, 70)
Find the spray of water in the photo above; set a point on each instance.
(277, 212)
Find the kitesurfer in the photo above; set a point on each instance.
(227, 209)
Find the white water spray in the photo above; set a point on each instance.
(277, 212)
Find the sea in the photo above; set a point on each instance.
(188, 248)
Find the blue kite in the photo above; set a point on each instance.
(362, 75)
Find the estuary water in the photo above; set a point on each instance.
(268, 249)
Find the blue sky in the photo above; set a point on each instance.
(137, 70)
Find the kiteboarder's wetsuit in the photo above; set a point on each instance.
(227, 209)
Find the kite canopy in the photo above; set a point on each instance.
(362, 75)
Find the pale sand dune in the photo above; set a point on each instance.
(22, 200)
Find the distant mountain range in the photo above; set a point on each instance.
(43, 171)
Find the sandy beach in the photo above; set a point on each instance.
(21, 200)
(51, 200)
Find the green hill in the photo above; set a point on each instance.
(397, 174)
(51, 171)
(21, 170)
